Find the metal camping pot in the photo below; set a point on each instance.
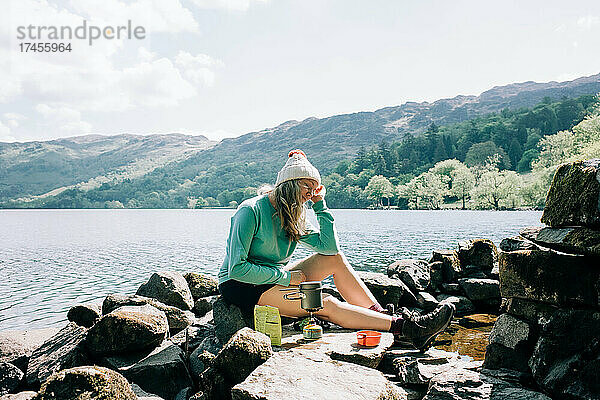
(310, 294)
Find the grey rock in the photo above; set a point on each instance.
(142, 394)
(128, 329)
(480, 289)
(201, 285)
(177, 318)
(229, 319)
(213, 385)
(479, 252)
(517, 243)
(466, 384)
(194, 335)
(212, 344)
(199, 361)
(343, 347)
(574, 196)
(436, 276)
(451, 268)
(510, 344)
(10, 378)
(87, 382)
(530, 311)
(566, 357)
(308, 375)
(85, 314)
(162, 371)
(16, 346)
(426, 301)
(451, 288)
(184, 394)
(564, 279)
(387, 290)
(414, 273)
(463, 305)
(203, 305)
(170, 288)
(63, 350)
(26, 395)
(246, 350)
(577, 240)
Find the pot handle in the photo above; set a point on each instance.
(287, 296)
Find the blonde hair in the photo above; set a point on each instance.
(289, 207)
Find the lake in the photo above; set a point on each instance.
(53, 259)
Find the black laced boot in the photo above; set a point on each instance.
(420, 330)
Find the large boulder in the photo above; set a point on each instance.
(10, 378)
(387, 290)
(128, 329)
(481, 289)
(308, 375)
(190, 338)
(578, 240)
(549, 277)
(229, 319)
(87, 382)
(26, 395)
(481, 253)
(465, 384)
(510, 344)
(574, 196)
(168, 287)
(245, 351)
(63, 350)
(177, 318)
(342, 346)
(436, 275)
(566, 358)
(200, 360)
(163, 371)
(451, 268)
(16, 346)
(85, 314)
(414, 273)
(201, 285)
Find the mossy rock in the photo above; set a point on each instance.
(86, 383)
(574, 196)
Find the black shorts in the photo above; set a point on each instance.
(244, 295)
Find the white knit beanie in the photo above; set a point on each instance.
(297, 167)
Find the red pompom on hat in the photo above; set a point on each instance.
(297, 167)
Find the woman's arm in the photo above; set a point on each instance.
(243, 228)
(325, 241)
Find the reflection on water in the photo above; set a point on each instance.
(467, 336)
(52, 259)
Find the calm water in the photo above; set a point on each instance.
(52, 259)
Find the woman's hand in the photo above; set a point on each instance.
(297, 277)
(319, 194)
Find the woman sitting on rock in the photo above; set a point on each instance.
(263, 235)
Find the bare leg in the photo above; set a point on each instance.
(343, 314)
(318, 267)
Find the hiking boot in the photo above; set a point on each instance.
(419, 330)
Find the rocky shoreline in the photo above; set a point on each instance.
(177, 339)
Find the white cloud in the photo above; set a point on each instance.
(65, 120)
(154, 15)
(13, 119)
(588, 22)
(145, 54)
(197, 68)
(234, 5)
(5, 135)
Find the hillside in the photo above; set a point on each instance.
(194, 166)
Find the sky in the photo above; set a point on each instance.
(222, 68)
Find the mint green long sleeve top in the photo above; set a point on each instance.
(258, 247)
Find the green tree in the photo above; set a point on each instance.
(463, 182)
(479, 153)
(379, 188)
(496, 189)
